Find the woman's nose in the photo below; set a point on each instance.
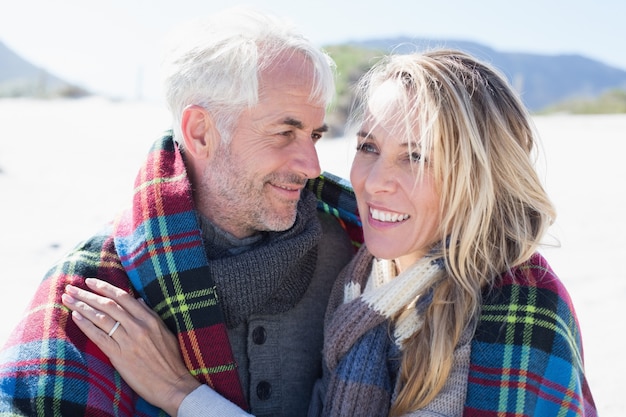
(380, 178)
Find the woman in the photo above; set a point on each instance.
(448, 309)
(453, 213)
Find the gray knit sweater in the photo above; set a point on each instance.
(276, 339)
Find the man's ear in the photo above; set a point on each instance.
(199, 132)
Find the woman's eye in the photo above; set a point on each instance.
(416, 157)
(366, 147)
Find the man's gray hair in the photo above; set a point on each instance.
(215, 62)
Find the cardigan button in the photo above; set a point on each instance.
(264, 390)
(259, 335)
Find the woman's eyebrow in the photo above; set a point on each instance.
(365, 134)
(412, 145)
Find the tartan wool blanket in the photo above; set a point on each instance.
(155, 251)
(526, 353)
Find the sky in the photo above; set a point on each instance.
(113, 47)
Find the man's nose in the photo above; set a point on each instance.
(305, 158)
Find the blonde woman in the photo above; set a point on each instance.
(448, 308)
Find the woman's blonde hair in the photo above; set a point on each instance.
(480, 145)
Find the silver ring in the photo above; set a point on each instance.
(115, 326)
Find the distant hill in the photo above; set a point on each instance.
(545, 82)
(542, 80)
(20, 78)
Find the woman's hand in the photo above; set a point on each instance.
(141, 348)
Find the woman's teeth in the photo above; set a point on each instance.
(385, 216)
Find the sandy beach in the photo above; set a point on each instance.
(66, 167)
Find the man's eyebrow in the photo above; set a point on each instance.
(321, 129)
(299, 125)
(293, 122)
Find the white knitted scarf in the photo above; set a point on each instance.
(390, 294)
(358, 350)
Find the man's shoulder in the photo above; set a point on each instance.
(331, 225)
(334, 250)
(334, 234)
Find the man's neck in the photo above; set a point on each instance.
(220, 243)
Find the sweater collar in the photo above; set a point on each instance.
(269, 273)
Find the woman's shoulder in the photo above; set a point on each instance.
(533, 278)
(527, 346)
(528, 302)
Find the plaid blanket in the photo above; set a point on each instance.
(335, 196)
(154, 250)
(527, 357)
(526, 354)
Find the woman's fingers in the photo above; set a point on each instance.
(96, 308)
(122, 298)
(141, 348)
(99, 317)
(103, 313)
(99, 335)
(91, 308)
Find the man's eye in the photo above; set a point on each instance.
(288, 135)
(316, 136)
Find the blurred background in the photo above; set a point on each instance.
(80, 104)
(556, 53)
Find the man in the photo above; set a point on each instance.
(223, 241)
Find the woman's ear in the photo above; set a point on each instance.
(199, 132)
